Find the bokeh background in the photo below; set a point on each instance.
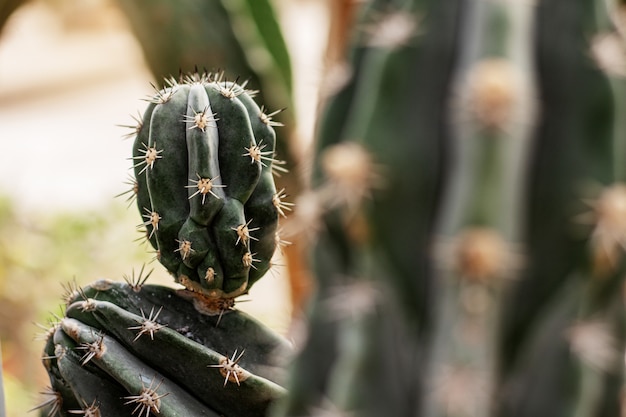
(72, 72)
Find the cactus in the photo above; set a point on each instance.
(129, 348)
(203, 162)
(203, 165)
(468, 191)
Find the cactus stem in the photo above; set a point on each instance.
(89, 410)
(230, 369)
(136, 282)
(149, 324)
(204, 186)
(148, 400)
(243, 233)
(281, 205)
(184, 247)
(267, 117)
(200, 119)
(59, 351)
(95, 349)
(151, 154)
(79, 295)
(225, 305)
(152, 219)
(51, 399)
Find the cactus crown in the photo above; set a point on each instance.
(203, 159)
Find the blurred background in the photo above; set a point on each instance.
(71, 73)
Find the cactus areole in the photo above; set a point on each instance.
(203, 159)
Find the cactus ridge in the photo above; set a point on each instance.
(203, 163)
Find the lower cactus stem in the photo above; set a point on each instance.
(120, 347)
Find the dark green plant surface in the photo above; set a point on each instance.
(132, 348)
(204, 161)
(470, 211)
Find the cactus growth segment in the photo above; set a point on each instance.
(204, 156)
(132, 349)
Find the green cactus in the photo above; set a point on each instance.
(124, 348)
(469, 189)
(203, 165)
(203, 162)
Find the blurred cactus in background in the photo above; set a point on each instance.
(470, 207)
